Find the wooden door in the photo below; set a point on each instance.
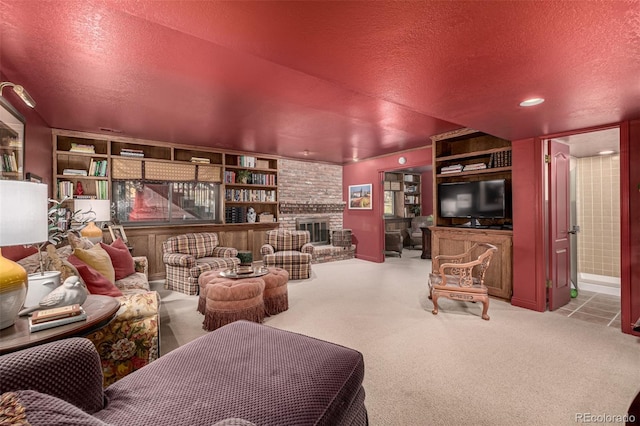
(559, 290)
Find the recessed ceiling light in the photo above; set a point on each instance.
(531, 102)
(607, 152)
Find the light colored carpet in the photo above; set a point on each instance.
(521, 367)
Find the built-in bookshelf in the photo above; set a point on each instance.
(210, 184)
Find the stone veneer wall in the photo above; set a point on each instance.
(307, 189)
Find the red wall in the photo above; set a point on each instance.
(367, 226)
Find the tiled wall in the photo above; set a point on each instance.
(598, 203)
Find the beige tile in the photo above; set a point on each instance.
(590, 318)
(591, 310)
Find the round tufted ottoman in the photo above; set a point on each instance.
(230, 300)
(203, 280)
(275, 294)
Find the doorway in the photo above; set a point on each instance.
(594, 230)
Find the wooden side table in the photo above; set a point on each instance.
(100, 311)
(426, 243)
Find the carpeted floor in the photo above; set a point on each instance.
(521, 367)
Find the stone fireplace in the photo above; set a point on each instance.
(318, 227)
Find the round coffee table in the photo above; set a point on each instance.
(100, 311)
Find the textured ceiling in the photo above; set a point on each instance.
(336, 79)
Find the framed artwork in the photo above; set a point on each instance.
(11, 141)
(117, 231)
(360, 196)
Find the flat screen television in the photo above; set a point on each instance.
(480, 199)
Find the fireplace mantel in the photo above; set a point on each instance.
(292, 207)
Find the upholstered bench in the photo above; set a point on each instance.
(275, 296)
(229, 300)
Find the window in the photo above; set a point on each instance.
(145, 202)
(389, 203)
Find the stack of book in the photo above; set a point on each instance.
(74, 172)
(455, 168)
(475, 166)
(127, 152)
(55, 317)
(78, 147)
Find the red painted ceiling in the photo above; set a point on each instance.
(337, 79)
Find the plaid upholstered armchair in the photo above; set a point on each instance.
(289, 250)
(187, 256)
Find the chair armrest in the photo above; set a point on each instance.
(179, 259)
(68, 369)
(267, 249)
(307, 248)
(225, 252)
(141, 264)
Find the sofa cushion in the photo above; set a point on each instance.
(29, 407)
(96, 282)
(79, 242)
(121, 258)
(98, 259)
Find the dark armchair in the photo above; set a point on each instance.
(413, 235)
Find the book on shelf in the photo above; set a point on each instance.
(128, 152)
(82, 316)
(75, 172)
(83, 148)
(200, 160)
(46, 315)
(475, 166)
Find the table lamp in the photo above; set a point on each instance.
(23, 220)
(92, 211)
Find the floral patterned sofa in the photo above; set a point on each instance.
(131, 340)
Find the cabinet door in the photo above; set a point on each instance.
(449, 241)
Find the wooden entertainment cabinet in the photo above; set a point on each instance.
(467, 155)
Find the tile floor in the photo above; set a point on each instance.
(593, 307)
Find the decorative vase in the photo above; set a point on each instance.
(13, 289)
(41, 284)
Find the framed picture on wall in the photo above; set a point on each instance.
(360, 196)
(117, 231)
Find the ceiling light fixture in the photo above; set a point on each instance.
(531, 102)
(19, 90)
(607, 152)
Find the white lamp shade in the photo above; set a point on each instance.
(101, 210)
(23, 213)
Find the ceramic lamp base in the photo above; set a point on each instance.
(13, 290)
(92, 232)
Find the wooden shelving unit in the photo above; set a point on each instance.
(151, 161)
(465, 147)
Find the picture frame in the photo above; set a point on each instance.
(361, 197)
(118, 231)
(12, 134)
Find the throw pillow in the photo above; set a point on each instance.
(121, 259)
(28, 407)
(79, 242)
(96, 282)
(98, 259)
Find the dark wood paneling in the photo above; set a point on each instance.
(147, 240)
